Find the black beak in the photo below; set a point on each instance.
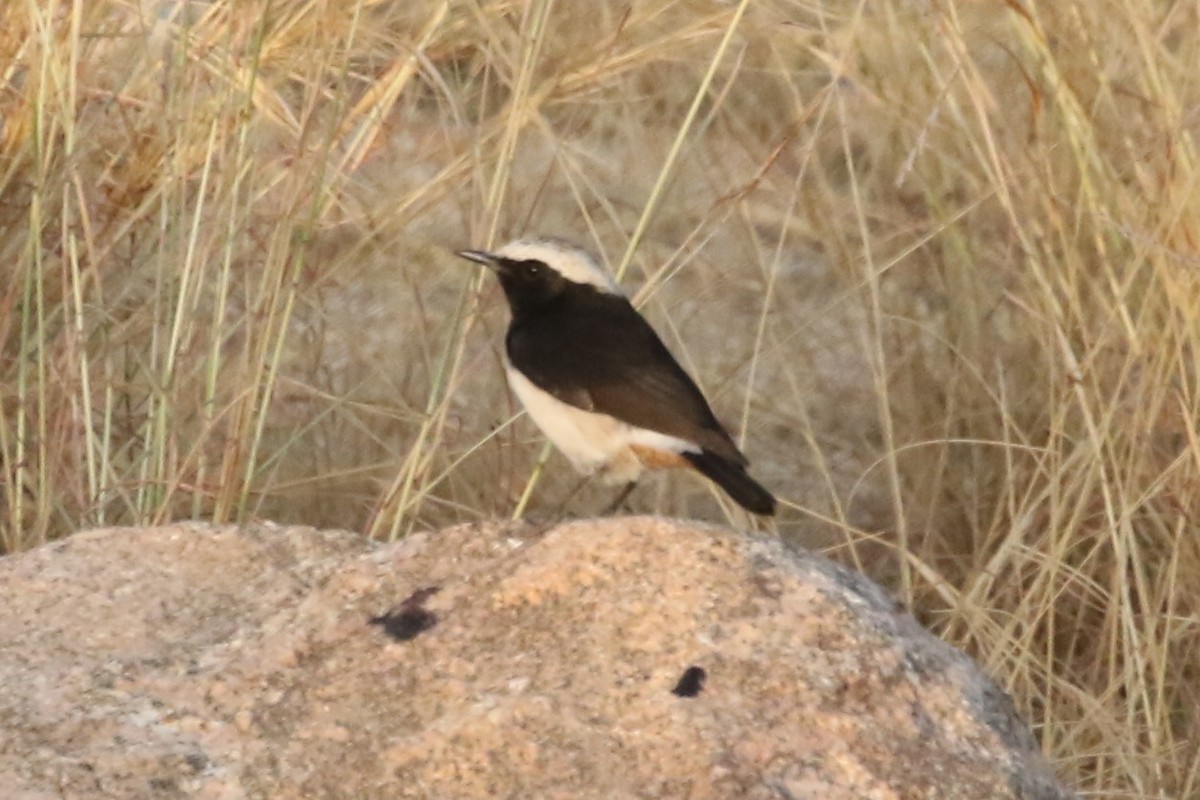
(479, 257)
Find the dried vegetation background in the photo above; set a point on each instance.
(935, 262)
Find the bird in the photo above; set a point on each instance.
(598, 381)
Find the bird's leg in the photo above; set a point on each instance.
(622, 496)
(562, 507)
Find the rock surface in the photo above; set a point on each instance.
(608, 659)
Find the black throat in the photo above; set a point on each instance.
(538, 289)
(531, 301)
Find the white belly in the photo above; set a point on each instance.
(591, 441)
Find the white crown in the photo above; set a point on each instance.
(569, 260)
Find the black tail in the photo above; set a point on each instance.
(733, 479)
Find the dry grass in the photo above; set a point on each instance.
(937, 261)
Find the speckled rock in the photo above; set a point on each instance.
(623, 658)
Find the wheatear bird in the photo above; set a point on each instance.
(598, 381)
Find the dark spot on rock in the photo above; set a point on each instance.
(406, 624)
(411, 619)
(690, 683)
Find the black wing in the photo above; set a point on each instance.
(597, 353)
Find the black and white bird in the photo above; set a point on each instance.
(598, 381)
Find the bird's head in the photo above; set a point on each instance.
(536, 271)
